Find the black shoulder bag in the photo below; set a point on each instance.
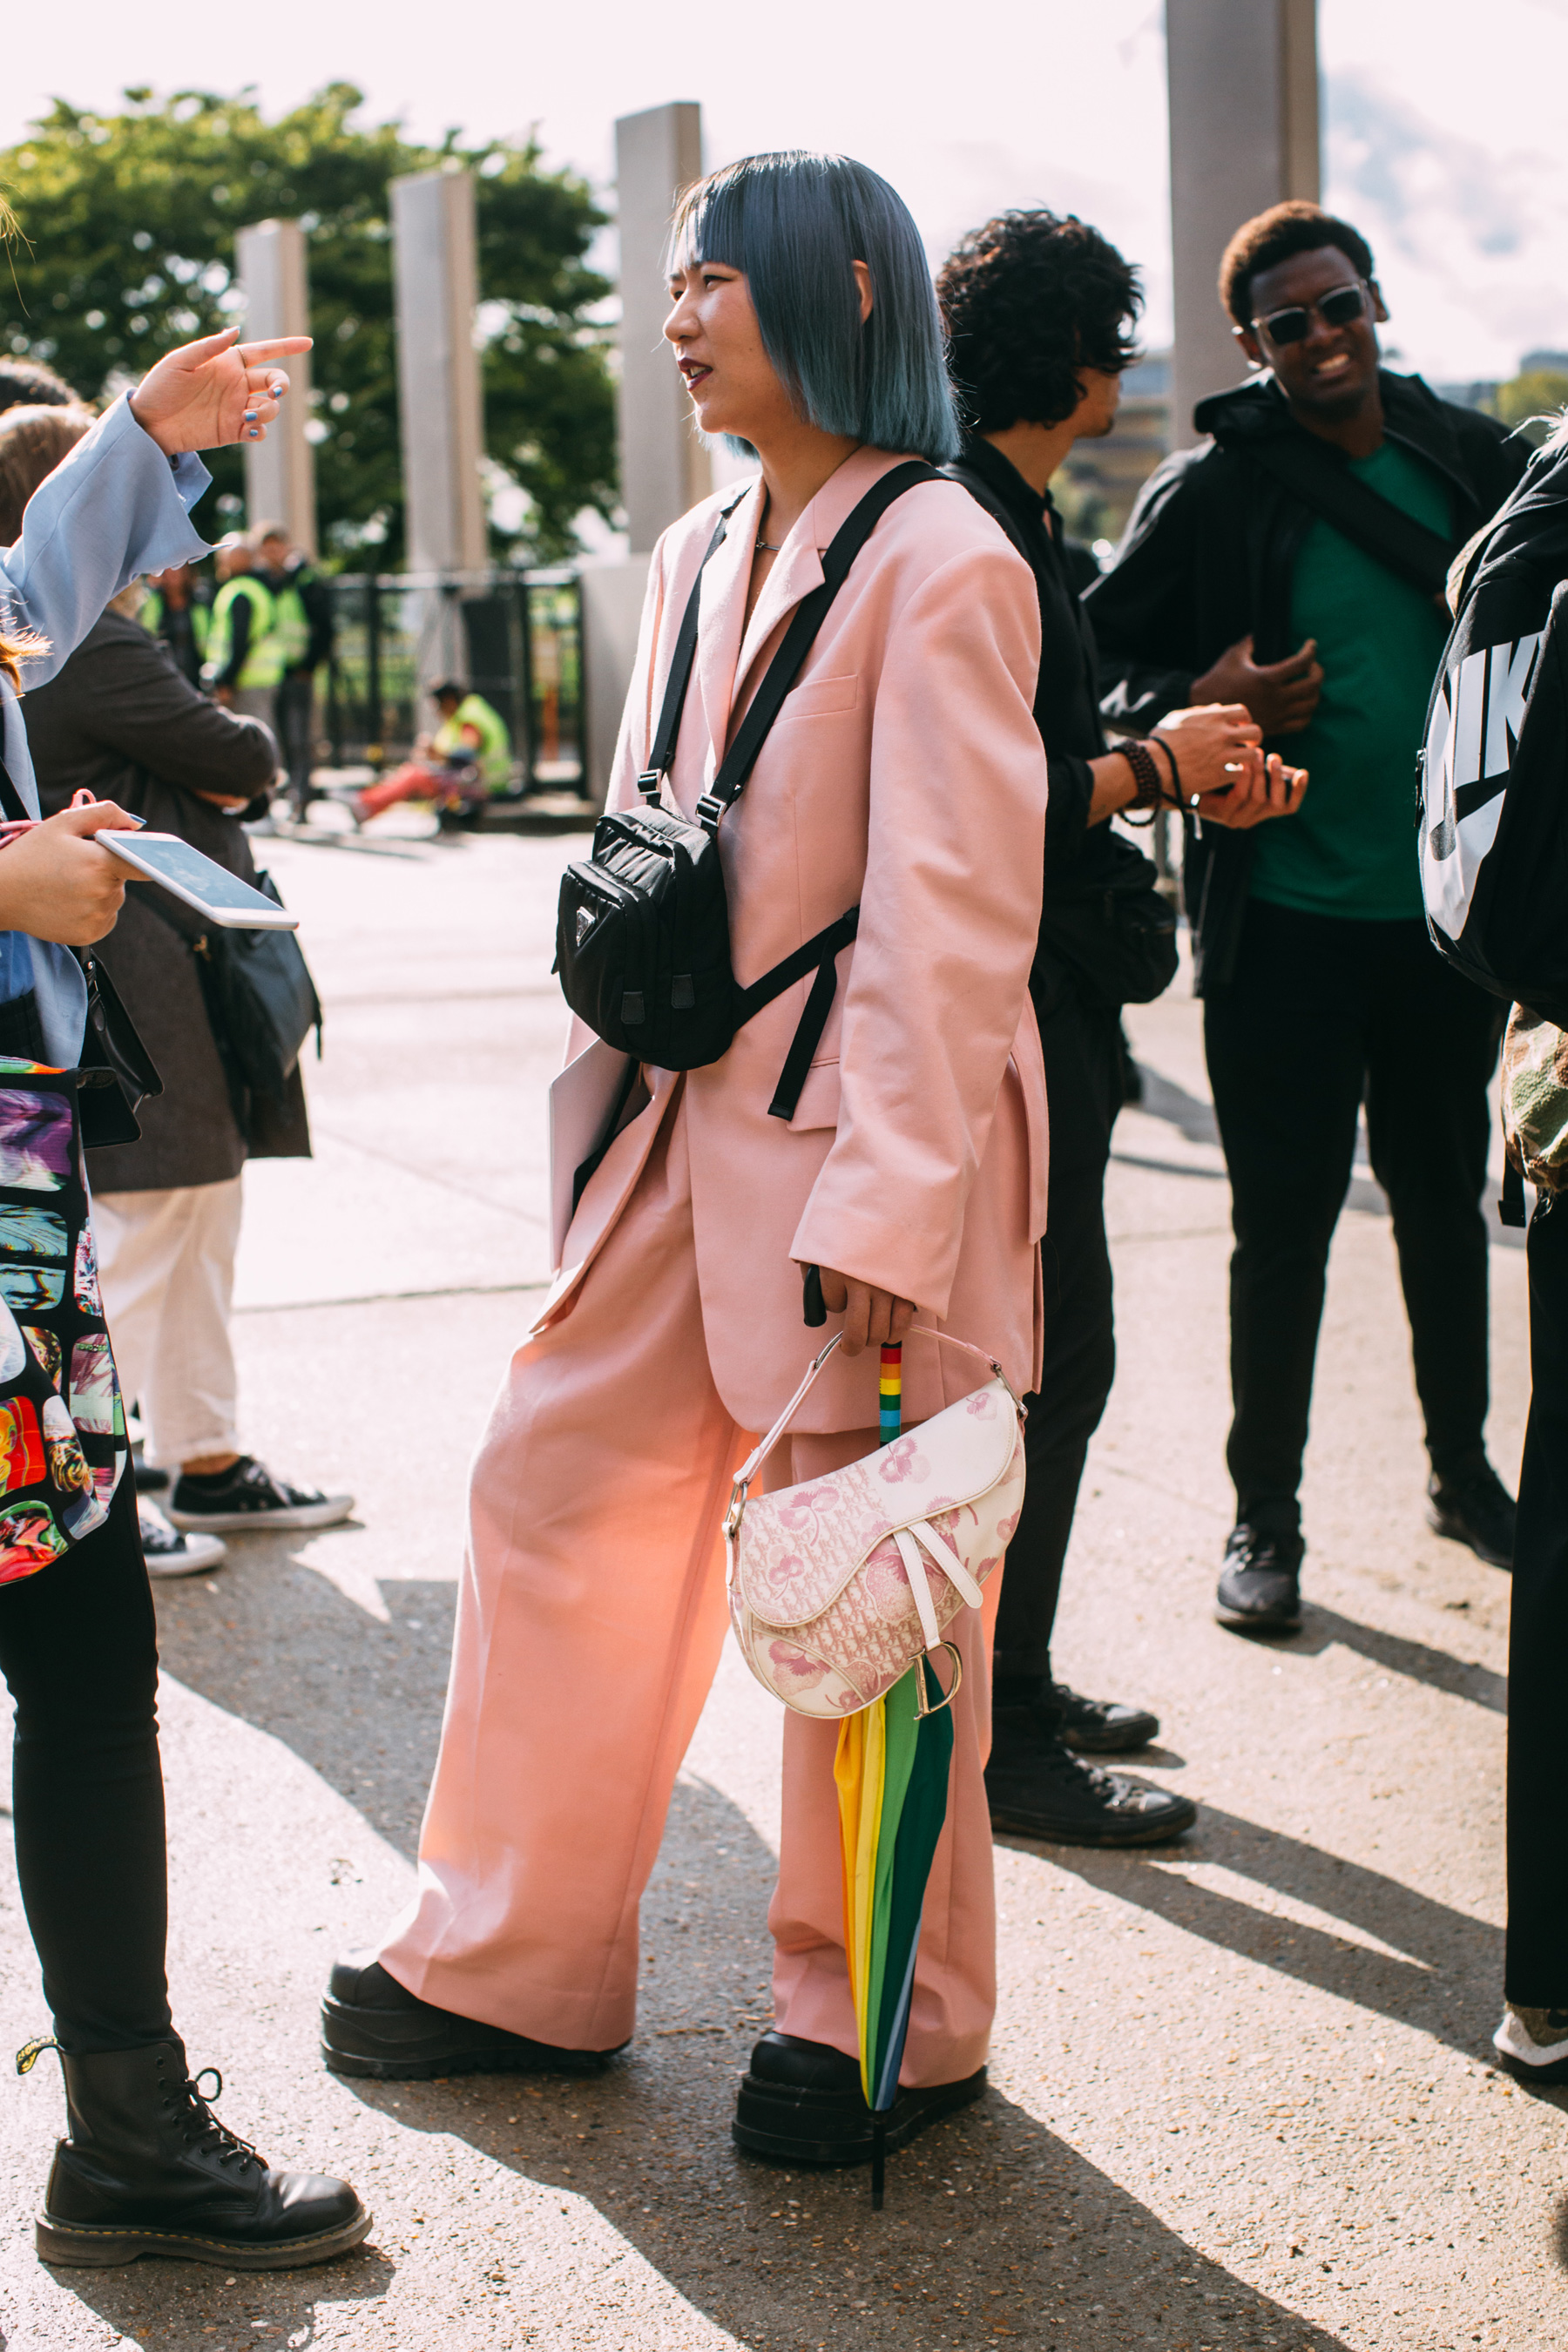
(642, 940)
(1319, 476)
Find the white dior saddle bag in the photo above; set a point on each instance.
(837, 1586)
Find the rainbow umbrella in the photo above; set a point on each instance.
(891, 1771)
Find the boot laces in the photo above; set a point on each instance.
(201, 2127)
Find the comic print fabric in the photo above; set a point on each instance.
(63, 1447)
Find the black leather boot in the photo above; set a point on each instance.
(147, 2168)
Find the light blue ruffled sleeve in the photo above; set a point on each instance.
(114, 508)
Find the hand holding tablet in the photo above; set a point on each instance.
(199, 880)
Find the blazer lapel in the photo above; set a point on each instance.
(798, 569)
(723, 619)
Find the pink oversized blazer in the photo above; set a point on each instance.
(905, 773)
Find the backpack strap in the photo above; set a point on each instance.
(1317, 475)
(735, 770)
(650, 781)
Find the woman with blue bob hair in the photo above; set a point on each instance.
(899, 1161)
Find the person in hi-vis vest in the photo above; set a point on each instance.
(459, 767)
(245, 653)
(303, 609)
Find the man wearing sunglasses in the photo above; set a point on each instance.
(1295, 562)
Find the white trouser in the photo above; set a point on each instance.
(166, 1263)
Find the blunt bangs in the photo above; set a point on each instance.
(792, 223)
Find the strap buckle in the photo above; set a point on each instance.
(650, 784)
(710, 809)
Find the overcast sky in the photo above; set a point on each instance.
(1444, 124)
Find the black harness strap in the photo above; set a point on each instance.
(821, 951)
(818, 953)
(680, 677)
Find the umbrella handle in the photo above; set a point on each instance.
(921, 1708)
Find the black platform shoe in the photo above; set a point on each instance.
(372, 2025)
(801, 2103)
(147, 2168)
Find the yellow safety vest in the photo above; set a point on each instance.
(493, 757)
(264, 659)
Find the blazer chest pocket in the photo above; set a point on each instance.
(820, 696)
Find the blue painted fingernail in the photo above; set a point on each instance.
(250, 415)
(254, 433)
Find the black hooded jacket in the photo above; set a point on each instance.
(1209, 557)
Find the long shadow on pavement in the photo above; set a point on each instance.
(1445, 1984)
(994, 2226)
(1461, 1677)
(283, 1646)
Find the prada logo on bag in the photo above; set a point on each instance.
(586, 919)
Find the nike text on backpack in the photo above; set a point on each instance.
(1493, 806)
(642, 940)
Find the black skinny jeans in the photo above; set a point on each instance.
(1321, 1015)
(79, 1653)
(1536, 1967)
(1084, 1087)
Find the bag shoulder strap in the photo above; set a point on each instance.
(785, 668)
(764, 1446)
(680, 677)
(1316, 475)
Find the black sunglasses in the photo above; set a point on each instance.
(1339, 307)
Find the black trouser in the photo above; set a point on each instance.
(79, 1653)
(1321, 1015)
(1084, 1088)
(293, 716)
(1536, 1973)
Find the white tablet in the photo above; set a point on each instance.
(199, 880)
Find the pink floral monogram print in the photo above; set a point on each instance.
(819, 1594)
(901, 1460)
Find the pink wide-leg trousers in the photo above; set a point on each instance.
(590, 1618)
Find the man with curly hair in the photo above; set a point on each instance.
(1295, 562)
(1039, 313)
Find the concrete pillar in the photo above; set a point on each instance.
(438, 370)
(280, 472)
(1242, 78)
(664, 467)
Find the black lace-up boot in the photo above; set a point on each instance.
(147, 2168)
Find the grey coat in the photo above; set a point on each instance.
(120, 719)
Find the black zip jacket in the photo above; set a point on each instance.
(1079, 857)
(1209, 557)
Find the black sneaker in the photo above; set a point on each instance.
(149, 1481)
(1476, 1510)
(1101, 1726)
(1260, 1583)
(169, 1553)
(1533, 2043)
(801, 2103)
(247, 1497)
(1038, 1787)
(371, 2025)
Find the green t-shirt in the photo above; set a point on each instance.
(1352, 850)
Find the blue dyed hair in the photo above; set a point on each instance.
(794, 222)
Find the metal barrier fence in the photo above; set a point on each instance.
(514, 638)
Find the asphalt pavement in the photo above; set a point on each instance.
(1241, 2088)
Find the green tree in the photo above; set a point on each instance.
(1534, 400)
(130, 220)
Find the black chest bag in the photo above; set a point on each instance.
(642, 938)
